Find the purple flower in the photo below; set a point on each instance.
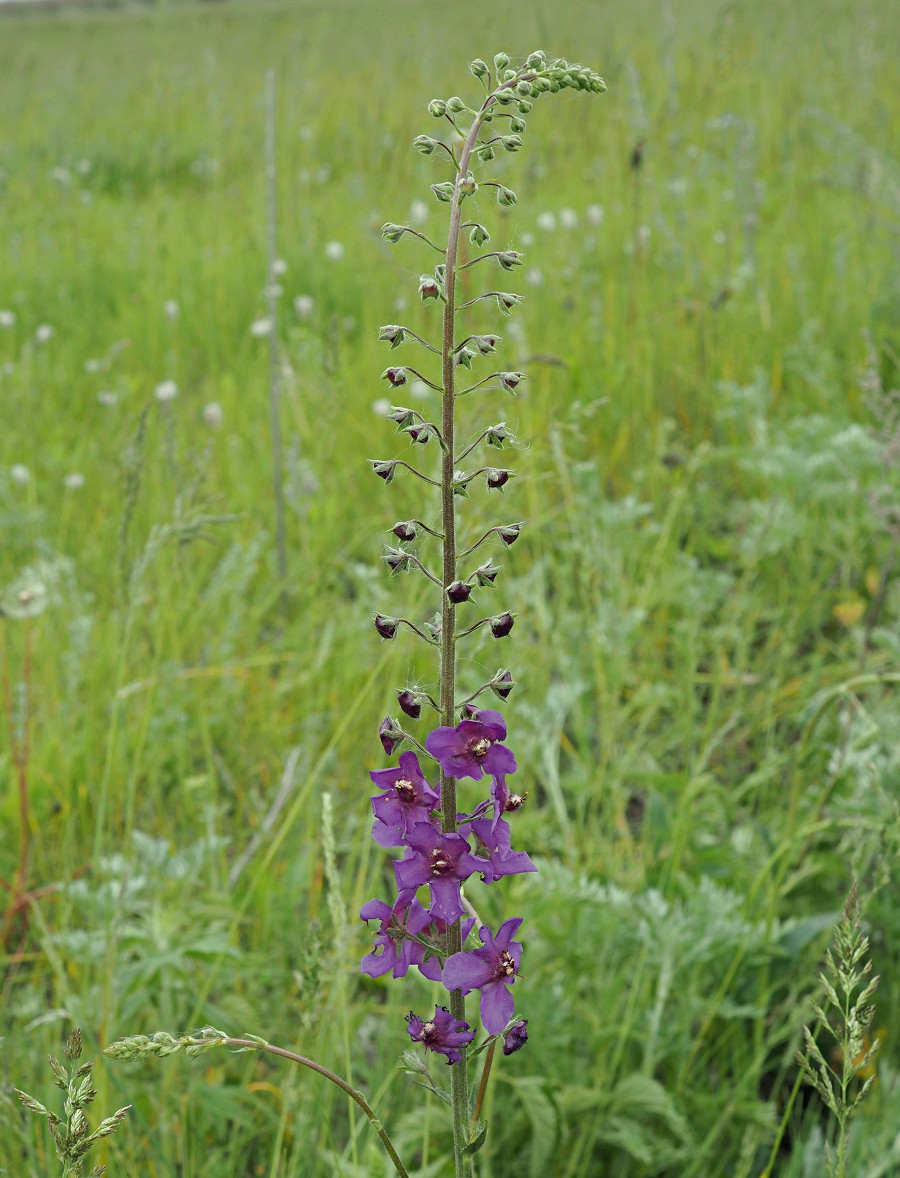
(409, 703)
(394, 949)
(408, 799)
(494, 836)
(492, 970)
(442, 861)
(472, 748)
(443, 1033)
(505, 802)
(516, 1037)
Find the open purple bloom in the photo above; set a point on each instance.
(394, 949)
(442, 861)
(516, 1037)
(505, 801)
(407, 800)
(494, 836)
(492, 970)
(443, 1033)
(472, 748)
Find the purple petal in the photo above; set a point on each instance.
(465, 971)
(412, 873)
(499, 759)
(493, 720)
(445, 901)
(497, 1006)
(507, 931)
(375, 910)
(386, 836)
(375, 964)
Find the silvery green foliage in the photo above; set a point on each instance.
(845, 1015)
(71, 1134)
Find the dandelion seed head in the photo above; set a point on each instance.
(93, 365)
(171, 308)
(334, 251)
(382, 406)
(7, 318)
(74, 481)
(20, 474)
(418, 388)
(304, 305)
(546, 222)
(279, 266)
(213, 415)
(418, 212)
(534, 277)
(107, 397)
(43, 333)
(260, 328)
(167, 390)
(568, 218)
(594, 214)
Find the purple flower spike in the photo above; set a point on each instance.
(442, 861)
(394, 950)
(408, 798)
(492, 970)
(472, 748)
(516, 1037)
(494, 836)
(443, 1033)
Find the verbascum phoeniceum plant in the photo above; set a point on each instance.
(448, 833)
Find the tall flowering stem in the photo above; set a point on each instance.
(467, 742)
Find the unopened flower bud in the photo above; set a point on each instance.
(409, 704)
(444, 192)
(396, 559)
(437, 107)
(424, 144)
(485, 153)
(517, 126)
(501, 61)
(524, 88)
(384, 470)
(502, 683)
(390, 735)
(405, 531)
(458, 592)
(485, 343)
(505, 197)
(420, 432)
(536, 60)
(401, 415)
(393, 334)
(486, 574)
(524, 106)
(386, 627)
(395, 376)
(509, 533)
(479, 235)
(467, 186)
(509, 75)
(479, 68)
(509, 259)
(497, 478)
(510, 381)
(516, 1037)
(506, 301)
(393, 233)
(429, 288)
(497, 434)
(502, 624)
(464, 357)
(433, 628)
(512, 142)
(470, 710)
(456, 105)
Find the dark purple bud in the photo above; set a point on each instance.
(459, 592)
(389, 735)
(496, 478)
(496, 435)
(396, 559)
(384, 470)
(502, 683)
(486, 574)
(409, 703)
(396, 376)
(516, 1037)
(421, 432)
(510, 381)
(506, 301)
(502, 624)
(509, 533)
(405, 531)
(470, 710)
(401, 415)
(429, 288)
(386, 627)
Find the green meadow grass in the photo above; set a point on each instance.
(707, 717)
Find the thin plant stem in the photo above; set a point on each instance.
(274, 355)
(482, 1087)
